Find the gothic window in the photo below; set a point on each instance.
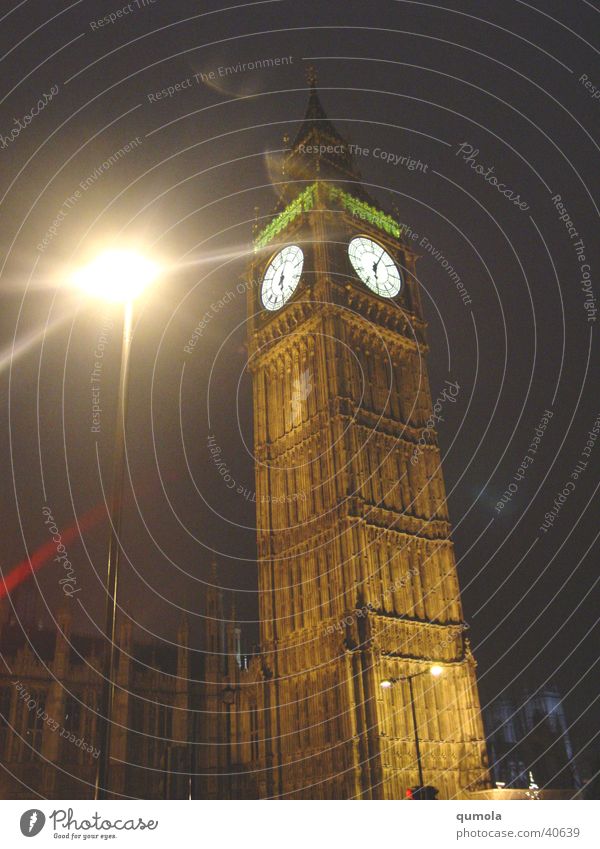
(34, 725)
(313, 501)
(375, 473)
(427, 493)
(299, 579)
(254, 733)
(5, 702)
(72, 714)
(389, 484)
(391, 379)
(381, 373)
(366, 387)
(158, 729)
(88, 725)
(72, 725)
(298, 711)
(135, 742)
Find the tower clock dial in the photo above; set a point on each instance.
(374, 266)
(281, 277)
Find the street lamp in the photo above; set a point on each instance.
(435, 670)
(228, 695)
(118, 276)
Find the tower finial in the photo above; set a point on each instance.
(311, 76)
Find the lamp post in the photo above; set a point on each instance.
(436, 671)
(228, 700)
(117, 276)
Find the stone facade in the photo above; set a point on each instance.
(357, 577)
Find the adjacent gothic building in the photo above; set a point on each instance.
(528, 735)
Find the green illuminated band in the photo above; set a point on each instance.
(368, 213)
(306, 201)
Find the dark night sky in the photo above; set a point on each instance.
(407, 78)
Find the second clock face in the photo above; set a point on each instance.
(281, 277)
(375, 267)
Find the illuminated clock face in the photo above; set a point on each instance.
(281, 277)
(375, 267)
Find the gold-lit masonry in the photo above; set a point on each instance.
(357, 576)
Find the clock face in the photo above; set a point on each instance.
(281, 277)
(375, 267)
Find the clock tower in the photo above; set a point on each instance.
(358, 591)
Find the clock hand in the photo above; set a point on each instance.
(375, 264)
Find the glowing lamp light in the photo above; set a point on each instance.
(385, 684)
(119, 276)
(436, 671)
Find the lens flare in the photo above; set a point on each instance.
(116, 275)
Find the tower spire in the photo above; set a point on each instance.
(319, 151)
(311, 76)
